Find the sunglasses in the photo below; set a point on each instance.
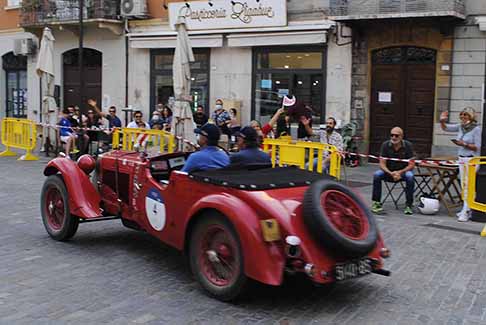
(138, 116)
(395, 135)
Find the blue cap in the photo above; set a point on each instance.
(210, 131)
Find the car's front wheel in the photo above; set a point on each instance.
(56, 216)
(216, 257)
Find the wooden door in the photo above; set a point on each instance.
(403, 94)
(419, 103)
(92, 73)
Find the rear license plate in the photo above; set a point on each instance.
(353, 269)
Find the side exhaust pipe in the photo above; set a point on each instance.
(382, 272)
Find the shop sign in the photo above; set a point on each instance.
(200, 15)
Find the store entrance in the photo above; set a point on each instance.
(92, 72)
(279, 72)
(15, 67)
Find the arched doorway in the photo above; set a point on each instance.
(92, 62)
(403, 94)
(15, 67)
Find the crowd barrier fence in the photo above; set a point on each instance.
(21, 134)
(302, 154)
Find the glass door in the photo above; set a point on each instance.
(297, 71)
(270, 88)
(16, 93)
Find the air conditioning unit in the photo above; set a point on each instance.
(24, 46)
(133, 8)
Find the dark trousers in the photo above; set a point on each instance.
(380, 176)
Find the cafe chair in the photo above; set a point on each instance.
(394, 190)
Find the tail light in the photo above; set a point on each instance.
(292, 247)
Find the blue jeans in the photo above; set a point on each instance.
(380, 175)
(325, 168)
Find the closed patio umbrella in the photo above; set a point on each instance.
(45, 70)
(182, 121)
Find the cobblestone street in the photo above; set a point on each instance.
(111, 274)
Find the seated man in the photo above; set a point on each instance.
(66, 132)
(394, 171)
(250, 153)
(210, 156)
(327, 135)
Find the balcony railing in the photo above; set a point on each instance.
(372, 9)
(45, 12)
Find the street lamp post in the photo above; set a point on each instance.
(80, 54)
(481, 174)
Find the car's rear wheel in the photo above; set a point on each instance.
(216, 257)
(56, 216)
(339, 219)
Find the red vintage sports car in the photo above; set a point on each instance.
(234, 224)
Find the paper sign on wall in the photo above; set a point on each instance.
(282, 92)
(384, 97)
(266, 84)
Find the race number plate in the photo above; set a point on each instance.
(353, 269)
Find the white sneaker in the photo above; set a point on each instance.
(464, 216)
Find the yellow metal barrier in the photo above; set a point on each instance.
(302, 154)
(471, 187)
(21, 134)
(129, 136)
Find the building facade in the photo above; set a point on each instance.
(379, 63)
(412, 60)
(251, 65)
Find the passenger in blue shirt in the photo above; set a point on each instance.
(250, 153)
(66, 132)
(210, 156)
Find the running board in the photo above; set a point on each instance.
(81, 220)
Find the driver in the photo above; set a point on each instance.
(210, 156)
(250, 153)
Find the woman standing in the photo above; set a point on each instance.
(469, 142)
(166, 118)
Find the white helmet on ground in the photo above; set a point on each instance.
(428, 205)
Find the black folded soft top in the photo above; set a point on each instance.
(251, 179)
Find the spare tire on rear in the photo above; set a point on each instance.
(338, 219)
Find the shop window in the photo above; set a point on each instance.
(281, 72)
(289, 60)
(15, 67)
(13, 3)
(162, 90)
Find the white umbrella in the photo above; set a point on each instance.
(182, 122)
(45, 70)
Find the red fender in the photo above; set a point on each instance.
(84, 199)
(263, 261)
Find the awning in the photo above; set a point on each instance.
(481, 21)
(169, 42)
(289, 38)
(295, 33)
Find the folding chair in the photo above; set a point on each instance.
(394, 193)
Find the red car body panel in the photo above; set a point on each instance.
(84, 199)
(184, 200)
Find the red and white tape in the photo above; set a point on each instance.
(142, 139)
(417, 161)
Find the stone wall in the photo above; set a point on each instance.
(468, 73)
(379, 34)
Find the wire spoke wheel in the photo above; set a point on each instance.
(216, 257)
(56, 216)
(344, 214)
(54, 205)
(339, 219)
